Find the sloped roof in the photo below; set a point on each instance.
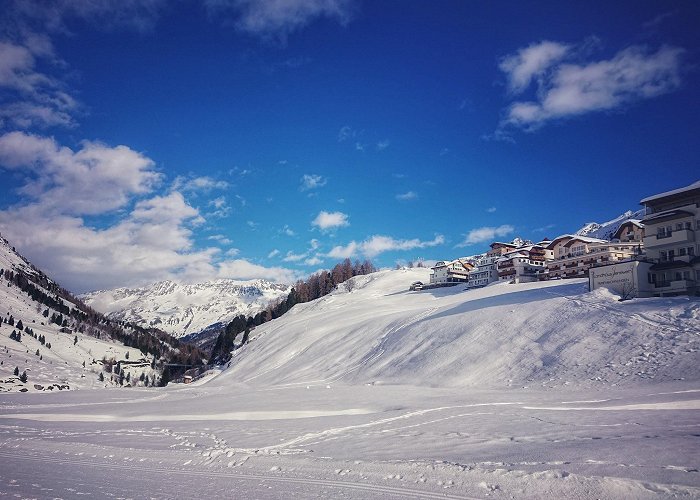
(695, 185)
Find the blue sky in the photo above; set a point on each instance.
(144, 140)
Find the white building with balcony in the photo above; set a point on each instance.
(454, 271)
(671, 243)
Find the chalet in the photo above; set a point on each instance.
(574, 255)
(454, 271)
(523, 265)
(630, 231)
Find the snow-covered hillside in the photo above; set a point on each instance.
(53, 356)
(550, 333)
(531, 391)
(182, 309)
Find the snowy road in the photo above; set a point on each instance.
(352, 442)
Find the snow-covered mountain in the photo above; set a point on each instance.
(55, 340)
(182, 309)
(606, 230)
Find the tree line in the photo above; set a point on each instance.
(315, 286)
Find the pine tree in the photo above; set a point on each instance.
(20, 326)
(23, 377)
(101, 377)
(16, 372)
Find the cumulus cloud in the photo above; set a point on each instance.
(148, 236)
(531, 62)
(330, 220)
(312, 181)
(486, 234)
(379, 244)
(278, 19)
(313, 261)
(222, 239)
(408, 196)
(568, 89)
(294, 257)
(92, 180)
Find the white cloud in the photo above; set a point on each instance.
(198, 184)
(382, 145)
(346, 132)
(312, 181)
(93, 180)
(531, 62)
(408, 196)
(287, 230)
(313, 261)
(106, 14)
(294, 257)
(484, 234)
(330, 220)
(491, 210)
(242, 269)
(151, 241)
(314, 244)
(568, 89)
(359, 146)
(273, 253)
(232, 252)
(30, 98)
(221, 239)
(379, 244)
(279, 18)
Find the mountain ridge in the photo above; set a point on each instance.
(186, 308)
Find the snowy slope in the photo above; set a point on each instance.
(530, 391)
(606, 230)
(550, 333)
(59, 367)
(181, 309)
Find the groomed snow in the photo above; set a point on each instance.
(538, 390)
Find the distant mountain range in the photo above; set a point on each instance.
(183, 309)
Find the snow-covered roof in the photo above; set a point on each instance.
(695, 185)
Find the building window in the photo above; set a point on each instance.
(671, 254)
(663, 257)
(681, 251)
(691, 250)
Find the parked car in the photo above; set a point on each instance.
(416, 285)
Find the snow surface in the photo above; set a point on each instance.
(182, 309)
(540, 390)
